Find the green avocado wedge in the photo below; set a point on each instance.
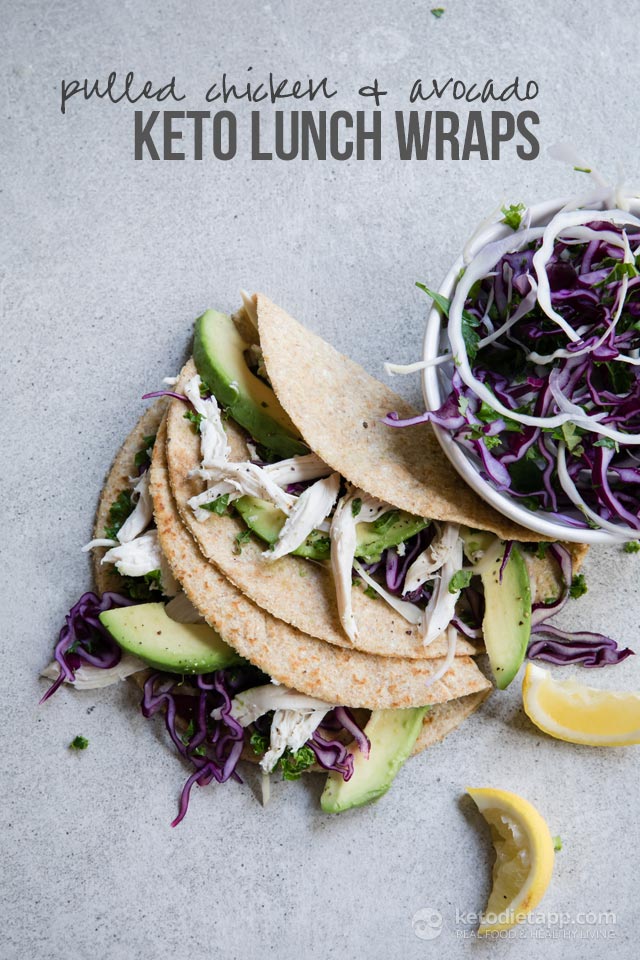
(392, 734)
(219, 355)
(148, 632)
(507, 620)
(394, 527)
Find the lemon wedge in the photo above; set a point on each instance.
(524, 857)
(569, 710)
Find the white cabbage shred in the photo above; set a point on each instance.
(88, 677)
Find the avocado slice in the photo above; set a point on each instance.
(507, 619)
(219, 355)
(393, 734)
(266, 521)
(147, 631)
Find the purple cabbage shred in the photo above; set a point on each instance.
(83, 639)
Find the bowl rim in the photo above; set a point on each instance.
(535, 522)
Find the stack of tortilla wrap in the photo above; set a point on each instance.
(282, 615)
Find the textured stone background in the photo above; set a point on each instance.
(104, 264)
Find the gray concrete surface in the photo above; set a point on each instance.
(104, 264)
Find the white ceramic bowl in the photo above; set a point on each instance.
(436, 381)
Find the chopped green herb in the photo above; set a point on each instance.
(470, 336)
(607, 442)
(195, 418)
(142, 458)
(486, 413)
(541, 549)
(240, 540)
(259, 743)
(620, 271)
(79, 743)
(189, 732)
(370, 592)
(147, 587)
(356, 506)
(293, 764)
(512, 215)
(219, 505)
(119, 510)
(632, 546)
(582, 169)
(572, 436)
(460, 580)
(557, 843)
(437, 12)
(578, 586)
(356, 581)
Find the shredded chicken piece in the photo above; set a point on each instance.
(313, 506)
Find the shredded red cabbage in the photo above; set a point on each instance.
(83, 639)
(212, 747)
(347, 720)
(554, 645)
(165, 393)
(561, 646)
(331, 754)
(533, 369)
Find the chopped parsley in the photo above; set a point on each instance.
(142, 458)
(240, 540)
(259, 743)
(470, 336)
(356, 506)
(195, 418)
(578, 586)
(79, 743)
(219, 505)
(632, 546)
(437, 12)
(557, 843)
(293, 764)
(187, 737)
(460, 580)
(607, 442)
(119, 510)
(512, 215)
(572, 436)
(370, 592)
(541, 549)
(147, 587)
(621, 270)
